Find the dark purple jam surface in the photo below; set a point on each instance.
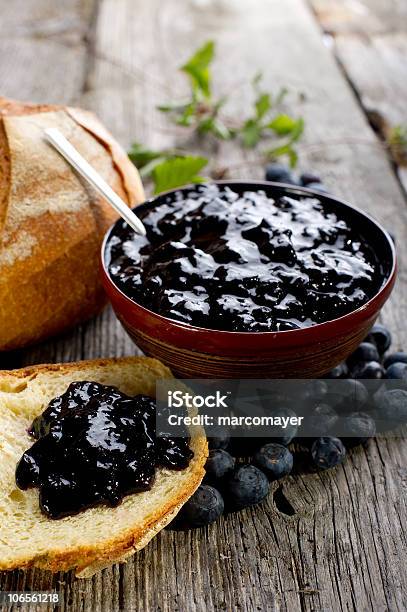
(221, 260)
(94, 445)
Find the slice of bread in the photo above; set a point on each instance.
(94, 538)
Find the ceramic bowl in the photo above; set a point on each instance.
(195, 352)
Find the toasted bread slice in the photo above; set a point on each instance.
(94, 538)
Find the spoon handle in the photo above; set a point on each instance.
(68, 151)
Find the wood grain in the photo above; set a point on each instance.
(361, 17)
(370, 43)
(43, 49)
(331, 541)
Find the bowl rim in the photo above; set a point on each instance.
(302, 331)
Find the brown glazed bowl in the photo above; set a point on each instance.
(195, 352)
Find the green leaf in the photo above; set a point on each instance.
(298, 130)
(197, 68)
(188, 116)
(147, 170)
(218, 104)
(292, 157)
(282, 124)
(177, 172)
(398, 136)
(263, 105)
(275, 152)
(281, 151)
(250, 133)
(141, 156)
(397, 142)
(170, 107)
(221, 130)
(206, 125)
(216, 127)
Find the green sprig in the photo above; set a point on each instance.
(202, 113)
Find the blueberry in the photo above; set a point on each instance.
(314, 391)
(398, 357)
(380, 336)
(372, 370)
(203, 508)
(221, 439)
(339, 371)
(218, 464)
(279, 174)
(391, 407)
(327, 452)
(321, 421)
(317, 187)
(366, 351)
(348, 394)
(357, 428)
(275, 460)
(397, 370)
(308, 177)
(247, 486)
(286, 435)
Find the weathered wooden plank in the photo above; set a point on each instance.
(344, 548)
(42, 49)
(321, 558)
(370, 41)
(377, 69)
(363, 17)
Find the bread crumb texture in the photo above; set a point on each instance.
(99, 536)
(21, 248)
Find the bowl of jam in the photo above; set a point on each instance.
(248, 279)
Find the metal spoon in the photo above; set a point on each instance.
(68, 151)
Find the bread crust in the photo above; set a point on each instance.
(86, 560)
(51, 222)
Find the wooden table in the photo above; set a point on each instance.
(343, 548)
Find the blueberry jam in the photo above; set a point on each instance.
(218, 259)
(95, 445)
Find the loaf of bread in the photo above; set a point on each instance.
(97, 537)
(51, 222)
